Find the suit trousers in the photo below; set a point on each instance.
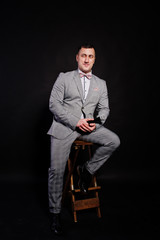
(107, 142)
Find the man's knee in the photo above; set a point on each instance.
(115, 141)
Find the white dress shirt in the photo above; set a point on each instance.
(85, 86)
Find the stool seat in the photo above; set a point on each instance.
(82, 143)
(77, 201)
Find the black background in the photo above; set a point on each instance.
(39, 41)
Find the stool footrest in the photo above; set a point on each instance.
(89, 189)
(86, 204)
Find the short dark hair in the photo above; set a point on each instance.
(86, 45)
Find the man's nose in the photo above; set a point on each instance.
(86, 59)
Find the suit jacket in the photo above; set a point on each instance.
(66, 103)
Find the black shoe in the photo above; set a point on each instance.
(84, 179)
(56, 224)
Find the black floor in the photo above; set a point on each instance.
(130, 210)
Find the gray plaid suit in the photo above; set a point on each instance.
(67, 105)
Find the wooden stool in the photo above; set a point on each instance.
(86, 202)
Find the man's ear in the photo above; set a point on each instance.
(77, 57)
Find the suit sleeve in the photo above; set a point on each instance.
(56, 104)
(103, 105)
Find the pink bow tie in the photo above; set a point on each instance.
(85, 75)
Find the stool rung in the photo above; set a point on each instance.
(89, 189)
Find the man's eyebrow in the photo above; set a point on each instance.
(87, 54)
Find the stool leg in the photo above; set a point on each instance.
(73, 202)
(75, 216)
(99, 212)
(98, 208)
(96, 195)
(89, 151)
(70, 171)
(70, 183)
(73, 198)
(72, 188)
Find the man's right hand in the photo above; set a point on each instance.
(84, 126)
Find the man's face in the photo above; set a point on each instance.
(85, 59)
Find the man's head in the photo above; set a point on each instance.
(85, 57)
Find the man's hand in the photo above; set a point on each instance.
(84, 126)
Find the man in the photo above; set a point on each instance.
(75, 98)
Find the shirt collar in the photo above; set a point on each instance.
(79, 71)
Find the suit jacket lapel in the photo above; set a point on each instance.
(93, 85)
(78, 83)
